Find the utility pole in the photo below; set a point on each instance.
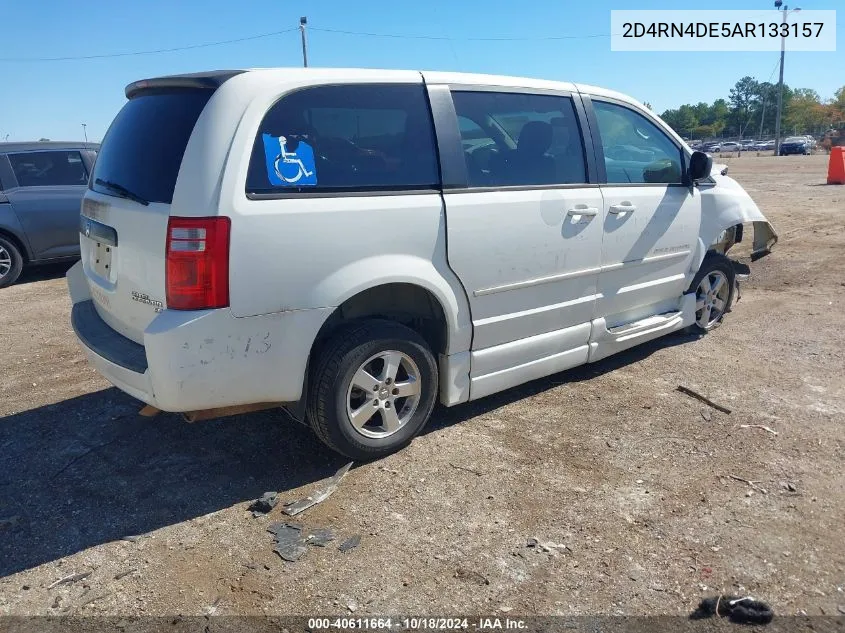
(785, 12)
(302, 22)
(85, 131)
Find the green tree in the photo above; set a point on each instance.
(806, 113)
(744, 97)
(839, 97)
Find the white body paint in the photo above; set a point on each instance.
(526, 288)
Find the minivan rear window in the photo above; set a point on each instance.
(143, 149)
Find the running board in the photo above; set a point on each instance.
(621, 332)
(607, 341)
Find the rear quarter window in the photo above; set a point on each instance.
(345, 138)
(144, 147)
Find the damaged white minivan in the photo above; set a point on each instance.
(355, 245)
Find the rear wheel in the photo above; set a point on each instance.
(373, 389)
(714, 288)
(11, 263)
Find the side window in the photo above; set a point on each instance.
(37, 169)
(346, 138)
(514, 139)
(635, 149)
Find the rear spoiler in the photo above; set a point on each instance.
(196, 81)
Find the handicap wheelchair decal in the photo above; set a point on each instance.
(286, 168)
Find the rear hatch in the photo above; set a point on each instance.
(126, 210)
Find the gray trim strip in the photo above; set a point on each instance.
(536, 282)
(97, 231)
(94, 334)
(579, 273)
(581, 185)
(346, 193)
(453, 169)
(595, 138)
(586, 139)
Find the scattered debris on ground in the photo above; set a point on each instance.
(264, 504)
(703, 399)
(705, 413)
(351, 543)
(753, 484)
(71, 579)
(547, 547)
(292, 539)
(123, 574)
(319, 537)
(91, 597)
(739, 610)
(295, 507)
(289, 542)
(758, 426)
(478, 473)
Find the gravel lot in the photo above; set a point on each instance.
(631, 479)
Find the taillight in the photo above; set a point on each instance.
(197, 270)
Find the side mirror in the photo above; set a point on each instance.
(700, 166)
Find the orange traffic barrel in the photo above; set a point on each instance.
(836, 168)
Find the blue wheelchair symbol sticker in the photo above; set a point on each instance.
(289, 169)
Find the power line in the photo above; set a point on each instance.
(440, 38)
(465, 39)
(150, 52)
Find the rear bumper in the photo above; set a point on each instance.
(199, 360)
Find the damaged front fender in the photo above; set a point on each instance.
(724, 206)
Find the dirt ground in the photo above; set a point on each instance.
(639, 486)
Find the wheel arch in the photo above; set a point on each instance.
(434, 310)
(384, 281)
(725, 210)
(18, 242)
(412, 304)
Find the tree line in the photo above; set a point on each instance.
(750, 111)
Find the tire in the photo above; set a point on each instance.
(714, 267)
(334, 395)
(11, 262)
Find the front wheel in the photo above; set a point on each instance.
(11, 263)
(714, 288)
(372, 390)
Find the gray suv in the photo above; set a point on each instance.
(41, 189)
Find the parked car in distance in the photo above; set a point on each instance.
(765, 146)
(795, 145)
(280, 237)
(41, 189)
(730, 146)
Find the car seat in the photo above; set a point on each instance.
(528, 164)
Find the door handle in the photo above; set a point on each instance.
(583, 211)
(624, 207)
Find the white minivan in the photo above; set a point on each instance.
(355, 245)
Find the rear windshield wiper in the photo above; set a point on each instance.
(121, 190)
